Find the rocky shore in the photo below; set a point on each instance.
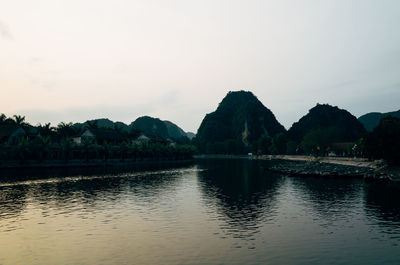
(376, 171)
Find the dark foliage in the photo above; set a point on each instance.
(371, 120)
(384, 140)
(42, 150)
(325, 124)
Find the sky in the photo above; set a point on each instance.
(76, 60)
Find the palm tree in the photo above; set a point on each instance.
(19, 120)
(41, 147)
(4, 152)
(134, 151)
(2, 118)
(46, 130)
(66, 147)
(64, 130)
(107, 150)
(123, 148)
(87, 145)
(22, 149)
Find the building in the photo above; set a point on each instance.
(11, 133)
(99, 136)
(141, 139)
(341, 148)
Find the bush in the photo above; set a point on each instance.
(384, 141)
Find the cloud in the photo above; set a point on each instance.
(5, 32)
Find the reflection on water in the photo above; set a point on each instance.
(240, 193)
(382, 204)
(331, 198)
(215, 212)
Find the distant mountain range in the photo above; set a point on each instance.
(371, 120)
(242, 117)
(242, 124)
(145, 124)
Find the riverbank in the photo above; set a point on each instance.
(303, 166)
(333, 166)
(86, 164)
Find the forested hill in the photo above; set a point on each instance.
(238, 122)
(339, 123)
(371, 120)
(155, 126)
(150, 125)
(147, 125)
(104, 123)
(174, 131)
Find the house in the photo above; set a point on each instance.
(10, 133)
(171, 142)
(31, 132)
(341, 148)
(99, 136)
(77, 140)
(141, 139)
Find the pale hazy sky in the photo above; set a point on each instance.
(75, 60)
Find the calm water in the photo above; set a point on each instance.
(214, 212)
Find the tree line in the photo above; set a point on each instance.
(43, 143)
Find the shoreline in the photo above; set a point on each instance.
(348, 161)
(290, 165)
(15, 165)
(309, 166)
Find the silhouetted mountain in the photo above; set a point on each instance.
(238, 122)
(325, 118)
(151, 126)
(371, 120)
(155, 126)
(104, 123)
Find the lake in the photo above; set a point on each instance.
(208, 212)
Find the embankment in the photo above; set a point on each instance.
(303, 166)
(88, 163)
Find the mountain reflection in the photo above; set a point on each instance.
(243, 195)
(382, 204)
(331, 198)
